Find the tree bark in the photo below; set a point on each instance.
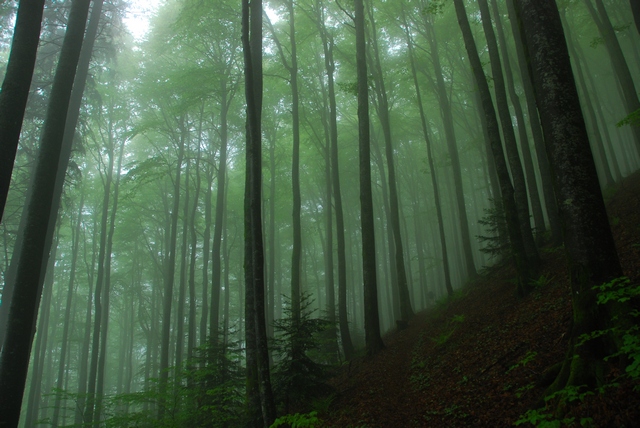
(14, 360)
(517, 174)
(589, 245)
(532, 186)
(536, 131)
(216, 255)
(75, 249)
(450, 135)
(169, 278)
(432, 169)
(618, 62)
(383, 109)
(343, 320)
(261, 407)
(15, 89)
(493, 129)
(373, 340)
(635, 10)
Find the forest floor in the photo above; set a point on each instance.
(475, 361)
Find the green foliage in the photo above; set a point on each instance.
(299, 420)
(444, 336)
(297, 378)
(619, 290)
(544, 417)
(494, 242)
(531, 355)
(541, 282)
(435, 7)
(633, 119)
(208, 392)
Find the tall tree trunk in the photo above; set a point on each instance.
(532, 186)
(75, 242)
(216, 255)
(432, 169)
(206, 240)
(73, 112)
(506, 189)
(34, 403)
(99, 306)
(182, 290)
(343, 320)
(447, 118)
(536, 131)
(169, 277)
(383, 109)
(517, 174)
(618, 62)
(635, 10)
(261, 407)
(191, 336)
(104, 328)
(373, 340)
(15, 90)
(589, 244)
(83, 370)
(596, 141)
(14, 360)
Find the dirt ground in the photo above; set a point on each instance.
(475, 362)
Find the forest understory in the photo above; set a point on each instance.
(478, 360)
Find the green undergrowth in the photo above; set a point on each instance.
(557, 409)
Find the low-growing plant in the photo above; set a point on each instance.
(541, 282)
(298, 420)
(524, 361)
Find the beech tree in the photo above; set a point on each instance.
(589, 246)
(15, 87)
(14, 360)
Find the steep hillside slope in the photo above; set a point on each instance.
(478, 360)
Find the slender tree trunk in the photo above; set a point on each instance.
(635, 10)
(373, 340)
(107, 289)
(99, 293)
(327, 45)
(83, 371)
(532, 186)
(406, 311)
(14, 360)
(191, 336)
(182, 291)
(15, 90)
(34, 403)
(517, 174)
(75, 240)
(432, 169)
(596, 141)
(447, 117)
(169, 278)
(618, 62)
(73, 112)
(216, 256)
(536, 131)
(506, 189)
(206, 240)
(261, 407)
(589, 244)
